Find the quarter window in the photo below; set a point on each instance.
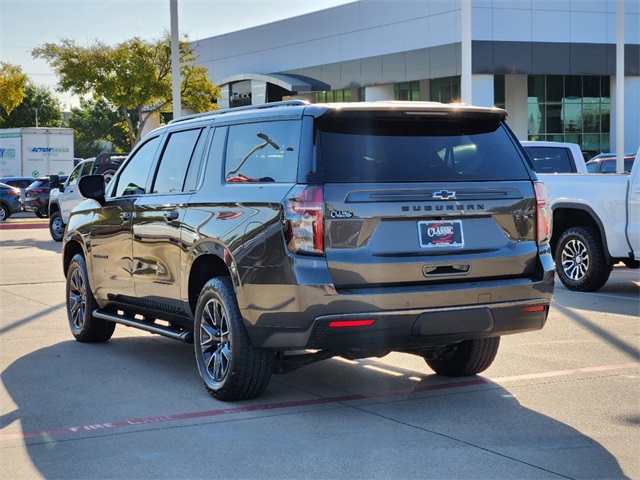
(263, 152)
(133, 178)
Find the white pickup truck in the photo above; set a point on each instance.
(596, 224)
(63, 197)
(555, 157)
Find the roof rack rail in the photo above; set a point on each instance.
(284, 103)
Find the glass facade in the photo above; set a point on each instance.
(499, 91)
(406, 91)
(331, 96)
(570, 108)
(445, 90)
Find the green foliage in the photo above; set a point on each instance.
(94, 123)
(134, 75)
(12, 85)
(24, 115)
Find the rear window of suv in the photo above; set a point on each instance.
(361, 147)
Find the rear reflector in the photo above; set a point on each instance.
(350, 323)
(537, 308)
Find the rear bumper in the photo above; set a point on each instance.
(299, 316)
(34, 205)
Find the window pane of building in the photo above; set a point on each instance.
(573, 89)
(555, 90)
(572, 119)
(536, 119)
(591, 117)
(591, 85)
(554, 121)
(536, 88)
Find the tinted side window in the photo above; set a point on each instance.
(73, 178)
(608, 166)
(550, 159)
(86, 170)
(263, 152)
(133, 178)
(175, 161)
(591, 167)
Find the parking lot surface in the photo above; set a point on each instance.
(563, 402)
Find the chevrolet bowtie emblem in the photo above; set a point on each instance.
(444, 195)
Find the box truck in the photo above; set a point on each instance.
(35, 152)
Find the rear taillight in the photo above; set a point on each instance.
(304, 220)
(13, 192)
(544, 220)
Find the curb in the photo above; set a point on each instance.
(22, 226)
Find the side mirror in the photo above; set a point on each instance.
(54, 181)
(92, 186)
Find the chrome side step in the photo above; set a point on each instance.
(176, 334)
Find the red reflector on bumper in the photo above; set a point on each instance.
(537, 308)
(351, 323)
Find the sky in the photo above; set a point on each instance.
(26, 24)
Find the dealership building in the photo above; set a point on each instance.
(550, 63)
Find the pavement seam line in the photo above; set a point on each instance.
(458, 440)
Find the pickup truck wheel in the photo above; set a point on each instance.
(466, 358)
(80, 305)
(230, 367)
(580, 260)
(108, 170)
(56, 226)
(4, 213)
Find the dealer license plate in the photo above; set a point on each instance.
(441, 233)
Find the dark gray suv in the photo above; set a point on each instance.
(275, 236)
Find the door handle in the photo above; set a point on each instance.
(126, 216)
(170, 216)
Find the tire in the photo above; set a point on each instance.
(580, 260)
(41, 214)
(56, 226)
(466, 358)
(4, 213)
(230, 367)
(108, 170)
(80, 305)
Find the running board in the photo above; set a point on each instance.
(146, 326)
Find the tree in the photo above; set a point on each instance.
(24, 115)
(94, 123)
(12, 85)
(134, 75)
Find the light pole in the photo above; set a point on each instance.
(175, 59)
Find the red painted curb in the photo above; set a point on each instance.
(21, 226)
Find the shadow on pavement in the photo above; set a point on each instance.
(49, 245)
(476, 431)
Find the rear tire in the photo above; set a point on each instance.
(56, 226)
(41, 214)
(580, 260)
(80, 305)
(466, 358)
(4, 213)
(230, 367)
